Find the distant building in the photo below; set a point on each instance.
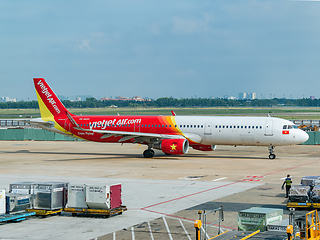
(231, 98)
(312, 97)
(78, 99)
(242, 96)
(7, 99)
(248, 96)
(251, 96)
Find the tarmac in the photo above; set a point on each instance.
(163, 194)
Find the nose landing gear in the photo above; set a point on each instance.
(271, 155)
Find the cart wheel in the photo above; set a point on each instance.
(74, 214)
(59, 213)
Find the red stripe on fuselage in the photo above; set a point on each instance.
(143, 124)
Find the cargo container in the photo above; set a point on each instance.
(2, 201)
(50, 195)
(16, 202)
(22, 187)
(310, 181)
(103, 197)
(299, 193)
(256, 218)
(77, 195)
(98, 197)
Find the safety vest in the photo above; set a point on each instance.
(288, 181)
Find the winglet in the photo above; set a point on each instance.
(173, 113)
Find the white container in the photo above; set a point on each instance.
(98, 196)
(2, 201)
(77, 195)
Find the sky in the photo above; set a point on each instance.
(154, 49)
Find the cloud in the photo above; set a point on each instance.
(83, 44)
(188, 26)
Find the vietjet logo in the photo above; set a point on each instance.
(285, 132)
(173, 147)
(46, 92)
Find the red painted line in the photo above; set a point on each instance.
(192, 194)
(229, 184)
(290, 168)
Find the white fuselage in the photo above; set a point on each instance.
(248, 131)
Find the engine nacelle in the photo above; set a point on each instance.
(204, 148)
(174, 146)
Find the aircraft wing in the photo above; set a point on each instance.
(137, 135)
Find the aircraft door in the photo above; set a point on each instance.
(137, 127)
(207, 128)
(269, 128)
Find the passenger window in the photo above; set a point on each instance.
(241, 126)
(223, 126)
(260, 127)
(169, 125)
(191, 126)
(184, 126)
(256, 127)
(148, 125)
(227, 126)
(284, 126)
(245, 126)
(220, 126)
(187, 126)
(175, 125)
(249, 127)
(163, 126)
(201, 126)
(216, 126)
(166, 125)
(234, 126)
(238, 126)
(180, 126)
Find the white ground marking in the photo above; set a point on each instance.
(165, 223)
(114, 235)
(150, 231)
(132, 232)
(204, 232)
(184, 229)
(219, 179)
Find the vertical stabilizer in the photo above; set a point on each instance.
(49, 104)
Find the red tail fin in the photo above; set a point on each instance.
(49, 103)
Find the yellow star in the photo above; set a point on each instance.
(173, 147)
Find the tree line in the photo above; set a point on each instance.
(173, 102)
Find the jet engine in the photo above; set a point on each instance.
(204, 148)
(173, 146)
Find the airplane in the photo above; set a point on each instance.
(173, 135)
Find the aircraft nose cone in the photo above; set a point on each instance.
(304, 136)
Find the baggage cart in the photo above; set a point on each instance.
(17, 217)
(99, 212)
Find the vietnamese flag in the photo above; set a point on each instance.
(285, 132)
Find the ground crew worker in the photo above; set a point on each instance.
(287, 182)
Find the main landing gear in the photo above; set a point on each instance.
(149, 153)
(271, 155)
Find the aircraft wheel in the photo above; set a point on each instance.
(272, 156)
(148, 153)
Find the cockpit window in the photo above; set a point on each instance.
(289, 127)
